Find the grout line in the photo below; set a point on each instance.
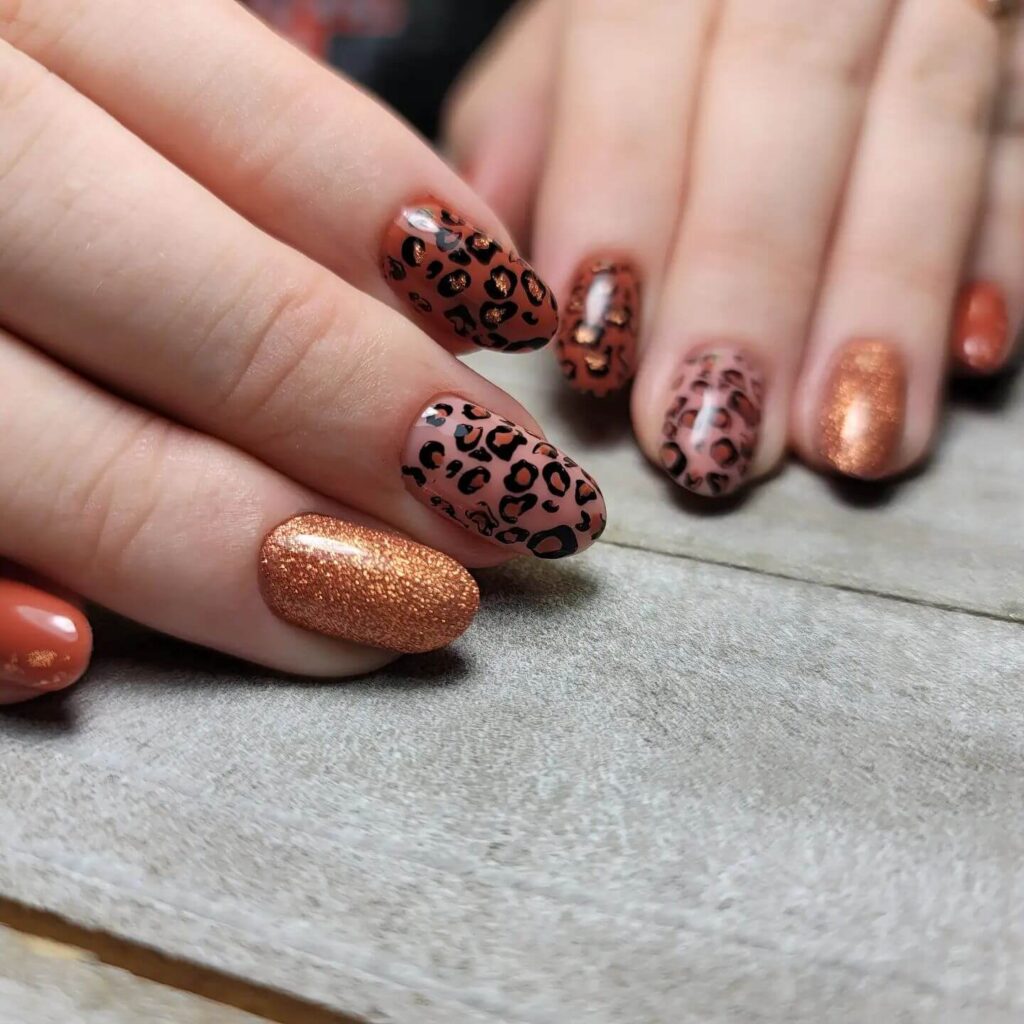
(847, 588)
(227, 990)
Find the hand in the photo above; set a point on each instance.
(765, 210)
(200, 345)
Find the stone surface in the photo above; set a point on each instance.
(949, 536)
(642, 789)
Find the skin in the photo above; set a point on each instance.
(887, 175)
(198, 342)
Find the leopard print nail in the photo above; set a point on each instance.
(597, 340)
(711, 428)
(492, 477)
(464, 284)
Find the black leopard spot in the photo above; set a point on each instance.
(744, 408)
(453, 467)
(415, 474)
(420, 303)
(510, 508)
(413, 250)
(543, 448)
(734, 378)
(534, 288)
(557, 479)
(559, 542)
(467, 437)
(435, 268)
(471, 481)
(673, 458)
(444, 507)
(494, 314)
(501, 284)
(395, 270)
(432, 455)
(481, 455)
(475, 412)
(461, 320)
(459, 257)
(447, 240)
(585, 491)
(504, 441)
(483, 519)
(531, 318)
(452, 284)
(717, 482)
(584, 524)
(482, 248)
(525, 345)
(447, 217)
(550, 506)
(513, 535)
(437, 415)
(724, 452)
(521, 477)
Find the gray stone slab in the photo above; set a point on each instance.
(43, 983)
(641, 790)
(953, 535)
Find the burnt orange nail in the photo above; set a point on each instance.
(981, 334)
(45, 643)
(597, 339)
(863, 412)
(364, 585)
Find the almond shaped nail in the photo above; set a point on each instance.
(365, 585)
(981, 333)
(45, 642)
(597, 338)
(504, 483)
(864, 409)
(712, 424)
(464, 284)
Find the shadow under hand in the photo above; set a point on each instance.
(602, 422)
(51, 715)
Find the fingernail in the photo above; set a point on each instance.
(597, 339)
(981, 333)
(364, 585)
(464, 284)
(863, 411)
(712, 425)
(500, 481)
(45, 643)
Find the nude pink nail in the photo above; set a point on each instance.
(493, 477)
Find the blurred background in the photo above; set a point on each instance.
(406, 51)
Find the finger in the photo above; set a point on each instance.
(45, 642)
(497, 133)
(614, 173)
(990, 311)
(181, 532)
(298, 150)
(784, 93)
(869, 393)
(127, 269)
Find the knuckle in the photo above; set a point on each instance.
(833, 41)
(290, 329)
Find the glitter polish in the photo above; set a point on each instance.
(597, 338)
(497, 479)
(464, 285)
(365, 585)
(863, 411)
(45, 642)
(981, 332)
(711, 427)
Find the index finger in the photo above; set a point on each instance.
(299, 151)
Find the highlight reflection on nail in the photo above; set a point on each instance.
(981, 333)
(864, 407)
(364, 585)
(598, 335)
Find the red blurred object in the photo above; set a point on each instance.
(313, 24)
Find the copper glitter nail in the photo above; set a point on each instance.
(863, 412)
(364, 585)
